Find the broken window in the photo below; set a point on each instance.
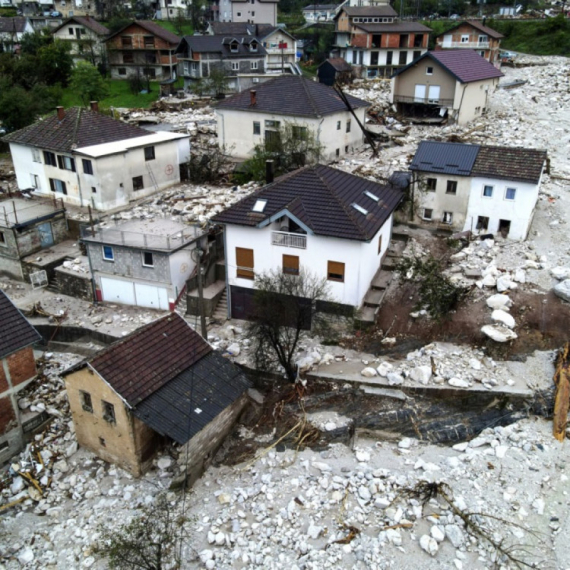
(431, 184)
(428, 213)
(335, 271)
(148, 260)
(87, 166)
(35, 180)
(138, 183)
(128, 58)
(57, 185)
(149, 153)
(86, 402)
(291, 264)
(451, 187)
(488, 191)
(108, 253)
(244, 262)
(108, 412)
(482, 223)
(504, 227)
(447, 217)
(510, 193)
(418, 40)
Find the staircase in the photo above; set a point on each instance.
(221, 312)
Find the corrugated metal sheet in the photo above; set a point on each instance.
(445, 158)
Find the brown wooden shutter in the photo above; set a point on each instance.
(335, 271)
(244, 262)
(291, 264)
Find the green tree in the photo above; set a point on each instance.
(217, 82)
(18, 107)
(31, 43)
(87, 82)
(55, 62)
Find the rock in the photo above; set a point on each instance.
(224, 498)
(498, 333)
(458, 383)
(421, 374)
(17, 485)
(25, 556)
(474, 364)
(314, 531)
(562, 290)
(220, 539)
(164, 463)
(206, 555)
(454, 534)
(520, 276)
(489, 281)
(560, 273)
(233, 349)
(394, 536)
(368, 372)
(362, 456)
(395, 379)
(384, 368)
(437, 533)
(499, 302)
(538, 506)
(429, 544)
(71, 449)
(530, 264)
(503, 317)
(405, 443)
(61, 465)
(503, 283)
(364, 493)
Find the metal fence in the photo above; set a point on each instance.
(287, 239)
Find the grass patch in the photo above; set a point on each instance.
(187, 29)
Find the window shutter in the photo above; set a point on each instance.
(60, 162)
(291, 264)
(244, 262)
(336, 271)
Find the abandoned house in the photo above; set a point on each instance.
(334, 70)
(87, 158)
(483, 189)
(336, 225)
(11, 32)
(255, 11)
(472, 35)
(161, 384)
(249, 118)
(17, 370)
(369, 38)
(452, 85)
(86, 36)
(142, 262)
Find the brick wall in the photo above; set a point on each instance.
(22, 366)
(3, 380)
(8, 419)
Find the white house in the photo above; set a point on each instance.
(320, 12)
(248, 118)
(86, 36)
(87, 158)
(483, 189)
(255, 11)
(331, 223)
(11, 32)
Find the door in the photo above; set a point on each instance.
(46, 234)
(420, 93)
(117, 291)
(433, 94)
(151, 296)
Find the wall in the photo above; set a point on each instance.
(181, 267)
(405, 83)
(258, 12)
(91, 42)
(471, 99)
(74, 284)
(519, 211)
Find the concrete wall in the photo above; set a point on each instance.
(471, 99)
(88, 46)
(74, 284)
(405, 83)
(256, 12)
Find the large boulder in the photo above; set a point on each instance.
(563, 290)
(560, 273)
(504, 318)
(499, 333)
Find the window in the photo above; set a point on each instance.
(348, 126)
(138, 183)
(337, 152)
(36, 155)
(150, 58)
(128, 58)
(335, 271)
(272, 124)
(428, 214)
(148, 260)
(483, 39)
(299, 132)
(379, 245)
(403, 40)
(86, 402)
(2, 238)
(234, 47)
(253, 45)
(244, 262)
(403, 58)
(465, 39)
(238, 14)
(149, 153)
(108, 253)
(338, 125)
(451, 187)
(510, 193)
(259, 206)
(35, 180)
(416, 54)
(57, 185)
(488, 191)
(431, 184)
(148, 41)
(346, 149)
(122, 71)
(389, 56)
(126, 41)
(102, 442)
(66, 163)
(447, 217)
(291, 264)
(482, 223)
(70, 30)
(149, 72)
(256, 128)
(87, 166)
(235, 65)
(429, 70)
(49, 158)
(254, 64)
(93, 190)
(108, 412)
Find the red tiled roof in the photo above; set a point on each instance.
(523, 164)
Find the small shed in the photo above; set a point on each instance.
(334, 70)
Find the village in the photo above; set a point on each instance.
(399, 223)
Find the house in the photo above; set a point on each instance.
(70, 8)
(220, 10)
(169, 9)
(483, 189)
(334, 70)
(87, 158)
(161, 384)
(370, 38)
(87, 38)
(452, 84)
(11, 32)
(320, 12)
(142, 262)
(17, 370)
(26, 228)
(255, 11)
(248, 118)
(142, 48)
(336, 225)
(472, 35)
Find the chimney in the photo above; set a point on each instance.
(268, 171)
(60, 113)
(94, 106)
(253, 97)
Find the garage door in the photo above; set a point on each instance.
(117, 291)
(151, 296)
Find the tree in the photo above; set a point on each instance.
(209, 166)
(87, 82)
(55, 62)
(284, 309)
(217, 82)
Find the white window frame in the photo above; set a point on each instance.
(105, 258)
(465, 38)
(36, 155)
(428, 72)
(514, 195)
(254, 64)
(485, 186)
(235, 65)
(425, 217)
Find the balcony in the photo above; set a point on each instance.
(423, 100)
(287, 239)
(470, 45)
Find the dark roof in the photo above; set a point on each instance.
(312, 7)
(221, 45)
(291, 95)
(339, 63)
(322, 199)
(15, 331)
(518, 164)
(79, 128)
(369, 11)
(186, 404)
(141, 363)
(88, 22)
(229, 28)
(16, 24)
(151, 27)
(394, 27)
(478, 26)
(464, 64)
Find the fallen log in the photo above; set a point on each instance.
(562, 393)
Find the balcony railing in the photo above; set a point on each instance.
(423, 100)
(287, 239)
(470, 45)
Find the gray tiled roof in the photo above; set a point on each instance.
(322, 198)
(88, 22)
(291, 95)
(16, 24)
(370, 11)
(15, 331)
(394, 27)
(221, 45)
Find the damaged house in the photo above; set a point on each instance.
(160, 385)
(482, 189)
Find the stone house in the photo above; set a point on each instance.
(248, 118)
(17, 370)
(87, 158)
(472, 35)
(142, 47)
(453, 85)
(335, 225)
(145, 263)
(255, 11)
(87, 38)
(477, 188)
(161, 384)
(11, 32)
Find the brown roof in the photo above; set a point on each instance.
(523, 164)
(395, 27)
(79, 128)
(478, 26)
(17, 24)
(153, 28)
(15, 331)
(88, 22)
(142, 363)
(322, 198)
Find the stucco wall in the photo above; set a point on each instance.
(258, 12)
(471, 99)
(405, 83)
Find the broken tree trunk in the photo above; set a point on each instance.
(562, 397)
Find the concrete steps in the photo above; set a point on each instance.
(221, 312)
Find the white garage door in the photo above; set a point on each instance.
(151, 296)
(117, 291)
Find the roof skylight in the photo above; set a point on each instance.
(259, 206)
(371, 196)
(359, 209)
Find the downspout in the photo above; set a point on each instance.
(319, 132)
(228, 290)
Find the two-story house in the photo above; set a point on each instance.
(170, 9)
(144, 48)
(477, 188)
(248, 118)
(87, 158)
(472, 35)
(255, 11)
(333, 224)
(445, 85)
(375, 43)
(87, 38)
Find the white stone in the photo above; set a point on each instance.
(437, 533)
(206, 555)
(458, 383)
(395, 379)
(538, 506)
(220, 538)
(164, 462)
(560, 273)
(421, 374)
(562, 290)
(429, 544)
(234, 349)
(368, 372)
(394, 536)
(498, 333)
(384, 368)
(454, 535)
(461, 446)
(25, 556)
(364, 493)
(362, 456)
(501, 302)
(322, 467)
(224, 498)
(314, 531)
(489, 281)
(61, 465)
(503, 317)
(17, 485)
(405, 443)
(503, 283)
(501, 450)
(520, 276)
